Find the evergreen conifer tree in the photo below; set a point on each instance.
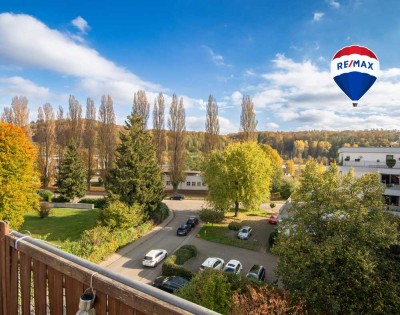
(71, 178)
(136, 176)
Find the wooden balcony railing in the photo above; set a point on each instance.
(37, 278)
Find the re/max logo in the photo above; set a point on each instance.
(355, 63)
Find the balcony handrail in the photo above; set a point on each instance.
(20, 242)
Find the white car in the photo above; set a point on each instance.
(154, 257)
(245, 232)
(233, 266)
(212, 262)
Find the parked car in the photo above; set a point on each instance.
(212, 262)
(245, 232)
(257, 273)
(154, 257)
(177, 197)
(273, 219)
(192, 221)
(233, 266)
(183, 229)
(170, 284)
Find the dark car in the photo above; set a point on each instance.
(183, 229)
(256, 273)
(170, 284)
(177, 197)
(192, 221)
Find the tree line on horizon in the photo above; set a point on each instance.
(95, 133)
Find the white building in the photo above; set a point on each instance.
(193, 181)
(385, 161)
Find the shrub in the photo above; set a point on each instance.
(60, 199)
(46, 195)
(161, 213)
(211, 216)
(100, 242)
(119, 215)
(235, 226)
(272, 205)
(272, 238)
(173, 265)
(97, 202)
(44, 210)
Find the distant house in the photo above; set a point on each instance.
(193, 181)
(384, 161)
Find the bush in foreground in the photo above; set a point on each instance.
(235, 226)
(173, 265)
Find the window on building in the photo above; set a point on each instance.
(347, 158)
(168, 183)
(198, 184)
(204, 184)
(193, 183)
(187, 183)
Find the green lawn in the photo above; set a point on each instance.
(62, 224)
(220, 233)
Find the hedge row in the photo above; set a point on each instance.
(98, 202)
(100, 242)
(173, 265)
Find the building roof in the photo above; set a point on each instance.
(369, 150)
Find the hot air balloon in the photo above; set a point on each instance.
(355, 69)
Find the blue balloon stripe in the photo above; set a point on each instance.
(355, 84)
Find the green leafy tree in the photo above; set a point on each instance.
(276, 163)
(240, 174)
(211, 216)
(334, 250)
(136, 176)
(19, 178)
(71, 177)
(210, 289)
(119, 215)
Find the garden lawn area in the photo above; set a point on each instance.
(62, 224)
(219, 233)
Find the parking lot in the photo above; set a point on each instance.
(128, 260)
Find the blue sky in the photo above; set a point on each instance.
(278, 52)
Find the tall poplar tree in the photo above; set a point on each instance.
(141, 107)
(136, 177)
(89, 136)
(212, 126)
(18, 114)
(248, 122)
(61, 134)
(159, 126)
(176, 124)
(107, 133)
(75, 122)
(45, 137)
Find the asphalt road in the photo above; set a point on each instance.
(128, 261)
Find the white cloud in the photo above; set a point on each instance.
(81, 24)
(272, 126)
(305, 96)
(52, 50)
(334, 4)
(318, 16)
(20, 86)
(216, 58)
(236, 98)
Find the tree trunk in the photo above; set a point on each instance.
(175, 187)
(236, 208)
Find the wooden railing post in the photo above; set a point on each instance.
(4, 230)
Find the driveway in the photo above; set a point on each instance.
(127, 261)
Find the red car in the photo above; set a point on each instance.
(273, 219)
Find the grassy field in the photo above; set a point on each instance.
(62, 224)
(219, 233)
